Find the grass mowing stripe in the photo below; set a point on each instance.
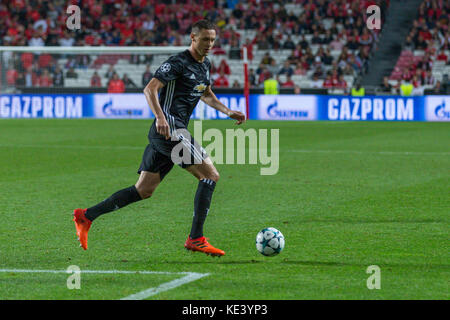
(70, 146)
(94, 271)
(291, 150)
(390, 153)
(347, 196)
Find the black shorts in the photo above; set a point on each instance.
(160, 156)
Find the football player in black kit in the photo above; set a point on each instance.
(181, 81)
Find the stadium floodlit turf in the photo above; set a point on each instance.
(347, 195)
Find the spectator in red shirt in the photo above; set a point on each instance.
(407, 76)
(416, 81)
(4, 11)
(425, 33)
(328, 83)
(27, 59)
(105, 24)
(263, 75)
(45, 80)
(442, 56)
(96, 10)
(127, 35)
(304, 63)
(299, 70)
(248, 44)
(13, 31)
(289, 83)
(221, 81)
(96, 81)
(334, 77)
(33, 14)
(45, 60)
(223, 67)
(341, 84)
(116, 85)
(11, 76)
(295, 56)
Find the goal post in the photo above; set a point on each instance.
(96, 49)
(246, 83)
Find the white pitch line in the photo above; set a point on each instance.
(166, 286)
(188, 277)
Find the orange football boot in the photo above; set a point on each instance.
(82, 224)
(201, 244)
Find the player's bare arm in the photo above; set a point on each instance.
(151, 94)
(210, 99)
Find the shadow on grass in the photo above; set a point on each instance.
(350, 221)
(215, 261)
(365, 265)
(223, 261)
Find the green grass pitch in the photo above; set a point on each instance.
(347, 195)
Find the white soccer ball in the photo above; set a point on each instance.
(269, 242)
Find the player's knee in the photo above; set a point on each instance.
(214, 176)
(145, 192)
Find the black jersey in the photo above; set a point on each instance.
(185, 81)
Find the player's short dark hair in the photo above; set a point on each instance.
(202, 24)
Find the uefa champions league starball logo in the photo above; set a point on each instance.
(165, 67)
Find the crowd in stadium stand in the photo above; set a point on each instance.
(152, 23)
(429, 34)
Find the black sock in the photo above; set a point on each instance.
(118, 200)
(201, 206)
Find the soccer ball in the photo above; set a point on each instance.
(269, 242)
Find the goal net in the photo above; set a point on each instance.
(43, 69)
(67, 82)
(100, 82)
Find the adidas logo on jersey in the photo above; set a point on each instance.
(192, 77)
